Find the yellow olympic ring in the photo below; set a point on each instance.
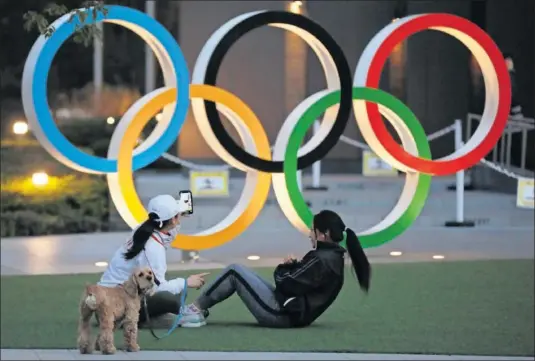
(224, 231)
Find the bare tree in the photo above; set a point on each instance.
(84, 33)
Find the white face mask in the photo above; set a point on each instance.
(174, 231)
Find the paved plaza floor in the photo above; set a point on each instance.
(187, 355)
(81, 253)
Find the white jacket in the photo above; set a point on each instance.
(154, 256)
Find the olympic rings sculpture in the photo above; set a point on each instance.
(255, 159)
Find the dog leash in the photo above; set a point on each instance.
(178, 316)
(180, 309)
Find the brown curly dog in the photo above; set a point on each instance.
(111, 305)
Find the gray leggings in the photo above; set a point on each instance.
(257, 295)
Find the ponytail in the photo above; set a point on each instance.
(328, 221)
(142, 235)
(360, 262)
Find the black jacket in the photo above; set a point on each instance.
(305, 289)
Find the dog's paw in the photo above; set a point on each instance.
(133, 348)
(84, 346)
(109, 350)
(85, 349)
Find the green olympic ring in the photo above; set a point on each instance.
(421, 182)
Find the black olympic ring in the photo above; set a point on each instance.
(344, 74)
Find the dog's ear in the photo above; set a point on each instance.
(131, 285)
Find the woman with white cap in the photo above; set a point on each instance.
(147, 248)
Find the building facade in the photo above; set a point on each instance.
(272, 70)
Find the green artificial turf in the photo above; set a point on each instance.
(483, 307)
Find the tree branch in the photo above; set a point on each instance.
(84, 32)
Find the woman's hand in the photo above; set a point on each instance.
(196, 281)
(289, 259)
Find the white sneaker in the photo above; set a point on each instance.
(192, 317)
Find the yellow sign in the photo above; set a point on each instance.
(372, 165)
(524, 193)
(209, 184)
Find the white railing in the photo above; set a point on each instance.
(459, 176)
(501, 154)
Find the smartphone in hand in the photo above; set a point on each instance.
(185, 199)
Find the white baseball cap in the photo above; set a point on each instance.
(165, 206)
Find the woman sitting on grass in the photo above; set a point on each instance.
(303, 289)
(147, 248)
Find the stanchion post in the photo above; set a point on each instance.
(459, 185)
(459, 177)
(300, 180)
(300, 184)
(189, 256)
(524, 148)
(316, 169)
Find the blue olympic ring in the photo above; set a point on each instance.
(40, 99)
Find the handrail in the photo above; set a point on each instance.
(503, 147)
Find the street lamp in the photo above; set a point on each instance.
(20, 127)
(40, 179)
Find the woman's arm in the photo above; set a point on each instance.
(298, 278)
(154, 256)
